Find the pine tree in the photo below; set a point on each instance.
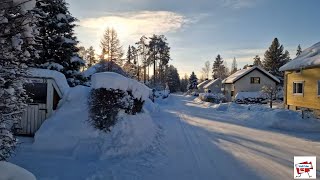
(193, 82)
(299, 50)
(257, 61)
(143, 51)
(173, 79)
(57, 44)
(16, 38)
(234, 66)
(218, 69)
(159, 51)
(112, 50)
(274, 58)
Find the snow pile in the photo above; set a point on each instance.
(67, 130)
(130, 135)
(104, 67)
(262, 116)
(308, 58)
(10, 171)
(91, 70)
(110, 80)
(59, 78)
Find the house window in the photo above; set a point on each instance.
(319, 88)
(298, 88)
(232, 93)
(37, 92)
(255, 80)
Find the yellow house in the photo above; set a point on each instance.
(302, 81)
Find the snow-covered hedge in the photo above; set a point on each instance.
(105, 104)
(250, 98)
(213, 98)
(112, 93)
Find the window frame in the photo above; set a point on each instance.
(294, 88)
(252, 80)
(318, 88)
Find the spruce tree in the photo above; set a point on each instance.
(299, 50)
(129, 55)
(57, 44)
(218, 69)
(274, 58)
(193, 82)
(16, 37)
(173, 79)
(257, 61)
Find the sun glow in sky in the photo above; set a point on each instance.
(198, 30)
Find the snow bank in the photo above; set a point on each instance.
(111, 80)
(57, 76)
(263, 117)
(130, 135)
(212, 97)
(10, 171)
(308, 58)
(67, 130)
(91, 70)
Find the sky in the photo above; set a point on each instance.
(199, 30)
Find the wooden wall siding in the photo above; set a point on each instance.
(32, 119)
(310, 98)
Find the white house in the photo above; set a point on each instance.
(201, 85)
(45, 88)
(251, 79)
(214, 86)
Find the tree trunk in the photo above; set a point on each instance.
(271, 99)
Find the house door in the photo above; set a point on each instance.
(32, 119)
(36, 112)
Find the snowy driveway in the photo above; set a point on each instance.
(195, 142)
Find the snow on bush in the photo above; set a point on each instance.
(7, 142)
(10, 171)
(105, 104)
(212, 97)
(111, 80)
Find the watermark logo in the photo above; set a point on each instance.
(305, 167)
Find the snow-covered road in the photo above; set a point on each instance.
(195, 143)
(216, 149)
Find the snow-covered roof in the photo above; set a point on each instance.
(111, 80)
(59, 78)
(212, 82)
(202, 84)
(308, 58)
(241, 73)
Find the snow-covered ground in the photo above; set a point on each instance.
(195, 140)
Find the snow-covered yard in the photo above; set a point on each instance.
(183, 139)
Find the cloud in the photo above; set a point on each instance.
(131, 25)
(237, 4)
